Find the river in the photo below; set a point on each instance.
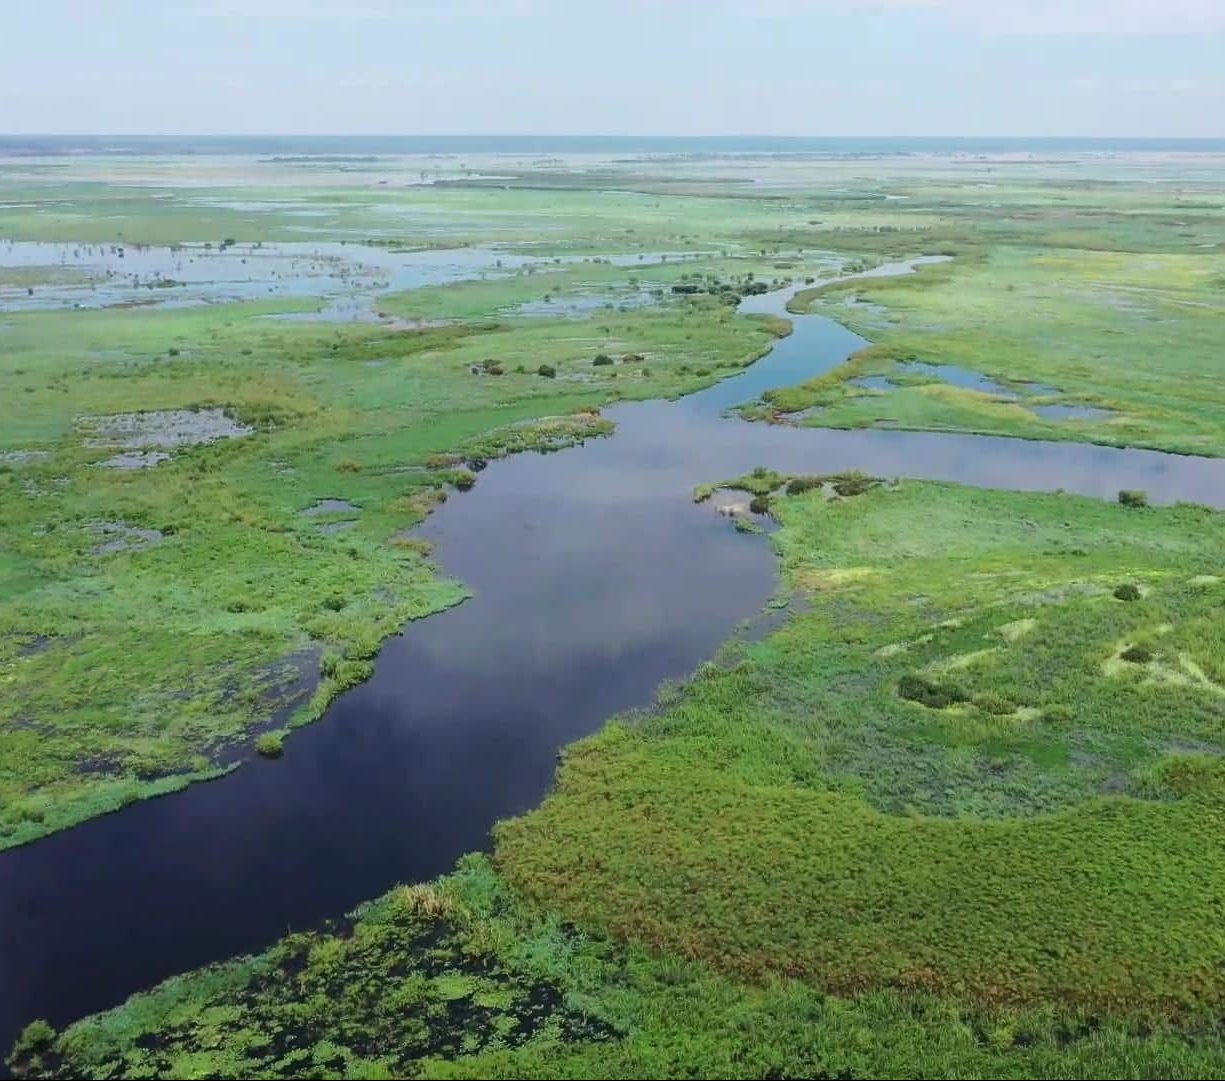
(595, 577)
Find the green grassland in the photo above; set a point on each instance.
(613, 287)
(26, 277)
(79, 208)
(935, 825)
(1132, 331)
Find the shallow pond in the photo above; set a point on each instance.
(595, 578)
(1072, 412)
(578, 304)
(351, 276)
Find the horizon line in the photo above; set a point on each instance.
(576, 135)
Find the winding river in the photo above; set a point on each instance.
(595, 578)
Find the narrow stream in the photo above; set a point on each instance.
(595, 579)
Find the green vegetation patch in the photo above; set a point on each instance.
(461, 979)
(1112, 347)
(966, 769)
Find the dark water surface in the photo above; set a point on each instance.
(595, 579)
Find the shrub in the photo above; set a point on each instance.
(1131, 497)
(173, 351)
(412, 544)
(931, 693)
(761, 481)
(850, 484)
(799, 485)
(270, 745)
(1137, 654)
(35, 1038)
(464, 480)
(547, 370)
(335, 602)
(994, 703)
(760, 504)
(601, 361)
(1127, 592)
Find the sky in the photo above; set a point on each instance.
(640, 67)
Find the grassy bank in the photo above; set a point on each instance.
(460, 979)
(946, 821)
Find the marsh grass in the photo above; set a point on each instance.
(930, 693)
(1121, 327)
(270, 744)
(793, 815)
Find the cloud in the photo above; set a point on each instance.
(388, 11)
(1007, 17)
(1071, 16)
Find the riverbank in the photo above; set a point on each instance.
(887, 797)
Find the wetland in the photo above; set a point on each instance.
(838, 755)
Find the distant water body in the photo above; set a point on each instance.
(700, 145)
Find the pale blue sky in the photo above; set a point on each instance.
(785, 67)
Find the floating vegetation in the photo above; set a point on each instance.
(166, 428)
